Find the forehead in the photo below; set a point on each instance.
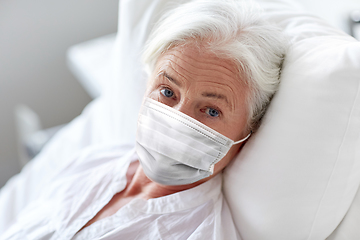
(197, 62)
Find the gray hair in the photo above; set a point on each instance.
(233, 30)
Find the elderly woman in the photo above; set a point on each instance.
(213, 68)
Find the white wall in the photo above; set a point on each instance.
(34, 36)
(336, 12)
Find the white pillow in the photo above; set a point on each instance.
(297, 176)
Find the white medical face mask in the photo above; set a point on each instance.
(175, 149)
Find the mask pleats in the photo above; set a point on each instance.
(175, 149)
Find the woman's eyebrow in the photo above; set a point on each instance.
(171, 79)
(217, 96)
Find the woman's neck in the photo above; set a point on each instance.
(139, 185)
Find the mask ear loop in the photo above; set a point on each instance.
(244, 139)
(240, 141)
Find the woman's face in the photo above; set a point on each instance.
(194, 81)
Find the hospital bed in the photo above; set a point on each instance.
(297, 178)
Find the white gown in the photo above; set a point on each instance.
(83, 186)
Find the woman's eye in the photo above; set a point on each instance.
(212, 112)
(167, 92)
